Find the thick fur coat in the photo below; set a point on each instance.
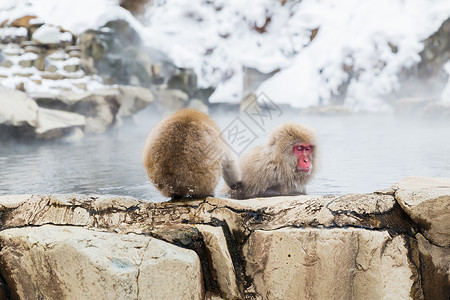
(184, 156)
(271, 169)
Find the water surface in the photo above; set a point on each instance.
(358, 154)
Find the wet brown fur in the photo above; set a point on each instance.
(184, 156)
(271, 169)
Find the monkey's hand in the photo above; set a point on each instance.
(236, 186)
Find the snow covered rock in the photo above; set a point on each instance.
(51, 35)
(171, 100)
(57, 123)
(114, 53)
(132, 99)
(100, 108)
(18, 113)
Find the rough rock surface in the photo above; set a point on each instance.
(49, 116)
(133, 99)
(171, 100)
(427, 202)
(17, 108)
(313, 263)
(305, 247)
(221, 263)
(56, 123)
(63, 262)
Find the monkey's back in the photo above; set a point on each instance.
(182, 155)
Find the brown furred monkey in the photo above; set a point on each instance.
(184, 156)
(282, 166)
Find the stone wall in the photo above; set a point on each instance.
(390, 244)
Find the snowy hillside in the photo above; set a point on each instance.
(217, 38)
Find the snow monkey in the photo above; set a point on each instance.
(184, 156)
(282, 166)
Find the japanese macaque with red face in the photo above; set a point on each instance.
(283, 166)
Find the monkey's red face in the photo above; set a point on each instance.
(303, 152)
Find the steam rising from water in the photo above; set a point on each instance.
(358, 154)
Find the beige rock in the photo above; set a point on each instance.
(302, 247)
(427, 202)
(6, 63)
(75, 53)
(99, 108)
(52, 76)
(276, 212)
(75, 75)
(71, 48)
(17, 108)
(51, 68)
(435, 265)
(58, 55)
(133, 98)
(26, 44)
(26, 63)
(222, 264)
(71, 68)
(240, 216)
(32, 49)
(12, 201)
(314, 263)
(171, 100)
(363, 204)
(419, 182)
(23, 210)
(52, 262)
(23, 73)
(57, 123)
(327, 110)
(22, 21)
(39, 63)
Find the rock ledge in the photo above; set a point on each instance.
(390, 244)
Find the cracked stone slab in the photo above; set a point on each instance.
(222, 265)
(118, 212)
(311, 263)
(64, 262)
(362, 204)
(9, 202)
(377, 210)
(427, 202)
(435, 268)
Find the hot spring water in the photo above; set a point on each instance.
(358, 154)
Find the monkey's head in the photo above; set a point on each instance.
(295, 144)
